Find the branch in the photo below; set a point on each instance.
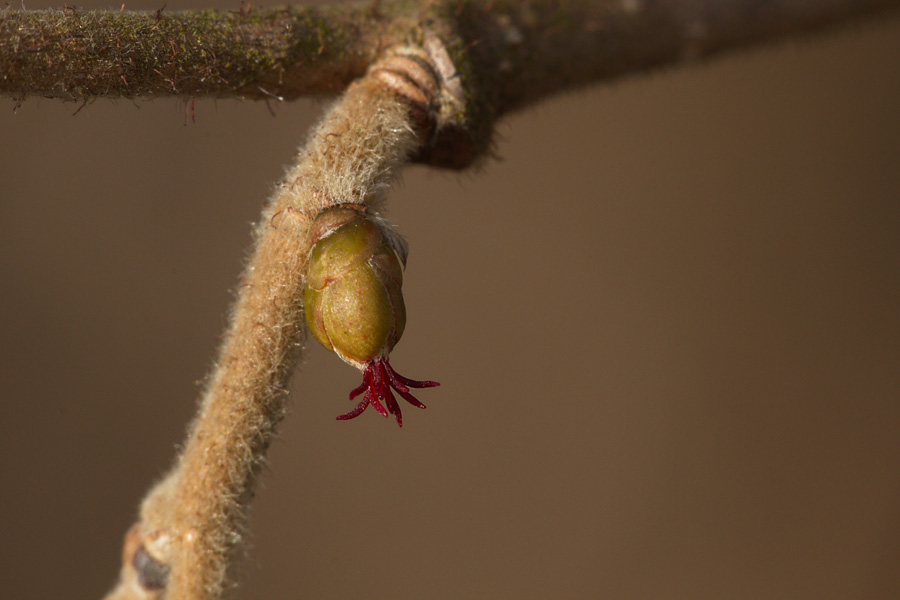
(509, 52)
(191, 524)
(287, 52)
(522, 52)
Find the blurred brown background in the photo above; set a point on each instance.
(666, 324)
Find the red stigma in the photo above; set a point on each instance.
(378, 380)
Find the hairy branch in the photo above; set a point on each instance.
(504, 54)
(191, 524)
(286, 52)
(509, 53)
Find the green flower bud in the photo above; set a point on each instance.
(352, 296)
(341, 251)
(354, 304)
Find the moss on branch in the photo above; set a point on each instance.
(503, 54)
(510, 52)
(286, 52)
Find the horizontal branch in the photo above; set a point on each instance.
(525, 51)
(512, 52)
(287, 52)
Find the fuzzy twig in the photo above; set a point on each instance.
(191, 523)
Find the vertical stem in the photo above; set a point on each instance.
(192, 522)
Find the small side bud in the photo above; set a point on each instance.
(152, 575)
(354, 306)
(149, 572)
